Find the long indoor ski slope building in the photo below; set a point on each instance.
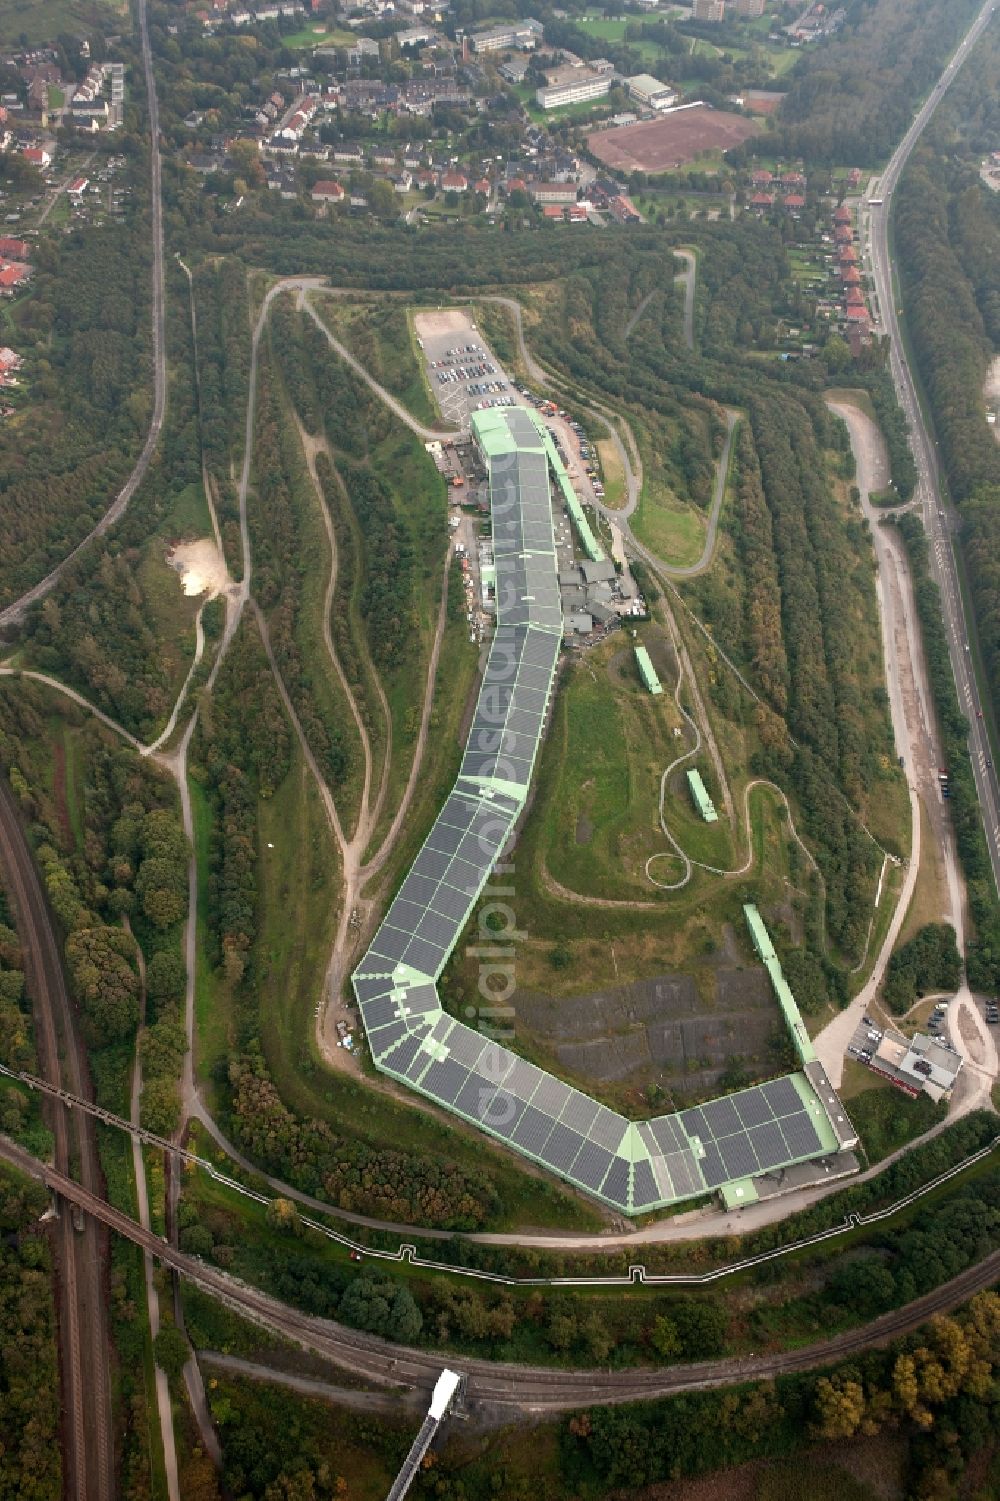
(634, 1166)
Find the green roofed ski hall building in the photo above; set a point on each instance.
(633, 1166)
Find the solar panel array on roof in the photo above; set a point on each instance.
(635, 1168)
(510, 712)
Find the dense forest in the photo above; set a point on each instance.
(29, 1377)
(107, 836)
(62, 461)
(851, 99)
(948, 238)
(938, 1386)
(401, 1186)
(107, 629)
(239, 759)
(929, 962)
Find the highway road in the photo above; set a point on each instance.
(940, 519)
(495, 1386)
(81, 1258)
(15, 611)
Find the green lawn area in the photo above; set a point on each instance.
(607, 27)
(56, 97)
(593, 824)
(782, 60)
(672, 528)
(318, 36)
(34, 23)
(59, 213)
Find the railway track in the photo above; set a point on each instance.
(82, 1257)
(491, 1384)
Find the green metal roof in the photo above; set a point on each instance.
(647, 671)
(793, 1017)
(702, 800)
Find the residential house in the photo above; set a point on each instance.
(552, 192)
(454, 182)
(327, 191)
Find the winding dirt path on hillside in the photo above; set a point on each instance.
(311, 446)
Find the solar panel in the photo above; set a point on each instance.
(450, 903)
(523, 1079)
(420, 999)
(695, 1125)
(532, 1130)
(421, 1058)
(465, 876)
(367, 988)
(417, 889)
(591, 1165)
(444, 837)
(722, 1117)
(666, 1133)
(753, 1107)
(444, 1080)
(464, 1045)
(616, 1185)
(404, 915)
(644, 1190)
(607, 1129)
(399, 1060)
(475, 1095)
(431, 864)
(769, 1144)
(535, 677)
(496, 1062)
(503, 1113)
(551, 1095)
(712, 1167)
(782, 1096)
(800, 1133)
(381, 1039)
(579, 1112)
(380, 1011)
(684, 1173)
(390, 942)
(427, 958)
(739, 1156)
(561, 1148)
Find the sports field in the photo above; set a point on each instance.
(672, 141)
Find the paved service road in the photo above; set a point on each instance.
(939, 519)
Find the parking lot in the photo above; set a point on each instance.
(463, 374)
